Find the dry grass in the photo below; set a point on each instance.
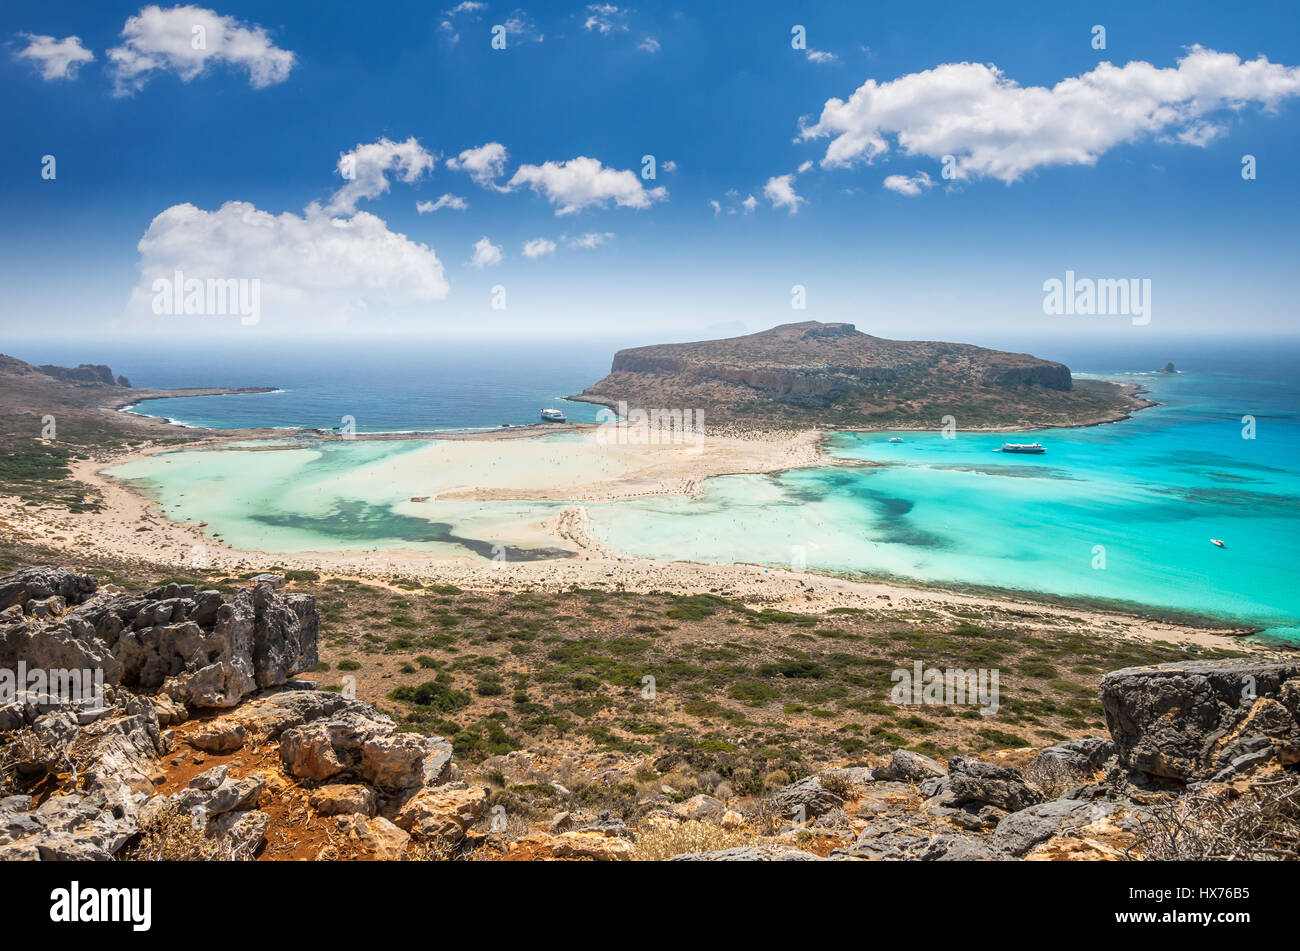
(1261, 824)
(436, 849)
(659, 842)
(25, 757)
(171, 836)
(1053, 778)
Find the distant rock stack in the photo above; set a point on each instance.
(1167, 368)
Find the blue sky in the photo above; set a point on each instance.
(285, 89)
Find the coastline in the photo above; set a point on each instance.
(130, 527)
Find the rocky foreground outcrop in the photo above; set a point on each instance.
(197, 742)
(184, 673)
(197, 647)
(1210, 720)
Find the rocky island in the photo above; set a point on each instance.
(833, 375)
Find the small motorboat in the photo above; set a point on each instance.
(1219, 542)
(895, 438)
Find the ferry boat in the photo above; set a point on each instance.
(1029, 447)
(552, 416)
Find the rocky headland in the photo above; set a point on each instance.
(833, 375)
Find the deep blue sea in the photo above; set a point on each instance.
(1121, 513)
(421, 385)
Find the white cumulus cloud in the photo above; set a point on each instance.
(484, 164)
(312, 268)
(592, 239)
(994, 127)
(780, 192)
(486, 253)
(365, 170)
(186, 40)
(55, 59)
(583, 182)
(908, 185)
(605, 18)
(536, 247)
(454, 202)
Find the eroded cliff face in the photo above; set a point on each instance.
(1052, 376)
(833, 374)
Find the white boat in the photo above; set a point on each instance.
(1029, 447)
(895, 438)
(552, 416)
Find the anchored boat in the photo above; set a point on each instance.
(1034, 448)
(552, 416)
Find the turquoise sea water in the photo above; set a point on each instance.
(1116, 513)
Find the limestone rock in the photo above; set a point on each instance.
(375, 838)
(443, 812)
(210, 778)
(699, 807)
(307, 752)
(805, 799)
(1187, 721)
(909, 767)
(217, 736)
(589, 844)
(243, 831)
(65, 828)
(339, 799)
(975, 781)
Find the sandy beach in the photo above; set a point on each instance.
(522, 465)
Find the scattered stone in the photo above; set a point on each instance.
(975, 781)
(906, 766)
(218, 736)
(443, 812)
(209, 778)
(805, 799)
(699, 807)
(376, 838)
(343, 799)
(593, 845)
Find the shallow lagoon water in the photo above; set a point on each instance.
(1116, 513)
